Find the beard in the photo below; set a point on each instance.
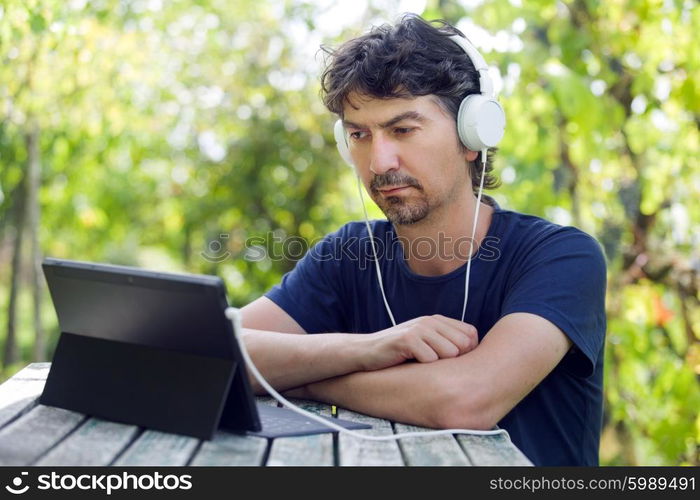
(404, 209)
(402, 212)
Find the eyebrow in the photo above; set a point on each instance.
(408, 115)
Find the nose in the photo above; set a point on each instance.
(383, 155)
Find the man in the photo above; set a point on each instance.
(528, 355)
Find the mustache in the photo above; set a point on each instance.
(393, 179)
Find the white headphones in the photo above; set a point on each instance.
(480, 120)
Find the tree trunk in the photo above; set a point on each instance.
(187, 246)
(11, 354)
(33, 220)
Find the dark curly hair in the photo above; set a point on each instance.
(412, 58)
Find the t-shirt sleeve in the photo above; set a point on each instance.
(562, 278)
(312, 292)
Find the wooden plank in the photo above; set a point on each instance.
(234, 449)
(19, 393)
(492, 450)
(267, 400)
(356, 451)
(231, 449)
(154, 448)
(97, 442)
(432, 450)
(316, 450)
(304, 450)
(25, 440)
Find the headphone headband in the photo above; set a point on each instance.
(485, 83)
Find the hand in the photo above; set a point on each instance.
(424, 339)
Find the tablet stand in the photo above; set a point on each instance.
(160, 389)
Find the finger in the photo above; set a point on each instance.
(462, 335)
(442, 344)
(453, 322)
(422, 351)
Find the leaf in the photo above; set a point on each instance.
(37, 22)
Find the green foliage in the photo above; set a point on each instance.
(190, 136)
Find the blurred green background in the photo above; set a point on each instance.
(189, 136)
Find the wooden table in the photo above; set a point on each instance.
(34, 434)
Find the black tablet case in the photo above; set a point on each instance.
(144, 350)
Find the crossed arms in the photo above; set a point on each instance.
(429, 371)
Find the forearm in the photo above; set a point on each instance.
(290, 360)
(413, 393)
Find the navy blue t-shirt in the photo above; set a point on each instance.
(524, 264)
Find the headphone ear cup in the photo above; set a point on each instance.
(341, 142)
(481, 122)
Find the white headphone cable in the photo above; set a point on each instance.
(234, 315)
(471, 240)
(374, 251)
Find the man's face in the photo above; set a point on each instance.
(407, 154)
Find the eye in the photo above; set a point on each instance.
(403, 130)
(357, 135)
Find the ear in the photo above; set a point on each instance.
(471, 155)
